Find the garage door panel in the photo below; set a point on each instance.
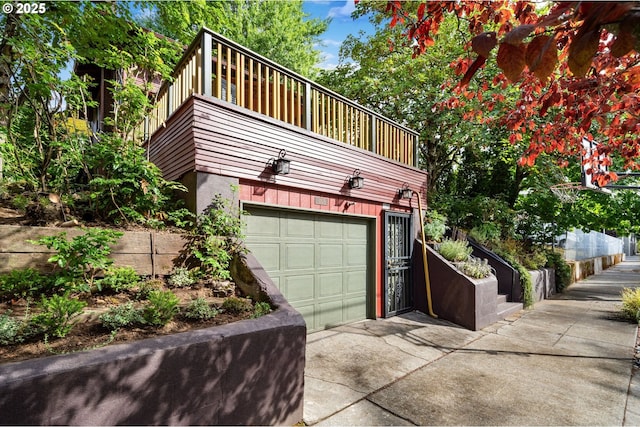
(297, 226)
(308, 313)
(330, 313)
(353, 282)
(330, 285)
(267, 225)
(318, 261)
(356, 255)
(268, 254)
(330, 230)
(356, 231)
(299, 287)
(354, 308)
(330, 255)
(299, 256)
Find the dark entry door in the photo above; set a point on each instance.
(397, 283)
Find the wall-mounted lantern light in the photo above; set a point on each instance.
(281, 166)
(405, 192)
(356, 181)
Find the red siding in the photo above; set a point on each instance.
(236, 142)
(251, 191)
(171, 147)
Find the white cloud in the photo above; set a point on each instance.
(330, 42)
(343, 11)
(328, 61)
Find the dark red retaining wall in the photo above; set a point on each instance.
(249, 372)
(464, 301)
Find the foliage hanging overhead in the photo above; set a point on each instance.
(576, 63)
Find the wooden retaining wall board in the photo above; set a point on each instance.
(149, 253)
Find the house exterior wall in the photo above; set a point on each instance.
(274, 195)
(210, 136)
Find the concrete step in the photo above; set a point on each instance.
(502, 298)
(506, 309)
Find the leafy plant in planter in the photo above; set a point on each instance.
(23, 283)
(237, 305)
(161, 308)
(199, 309)
(82, 258)
(57, 314)
(486, 233)
(216, 238)
(117, 279)
(181, 277)
(455, 250)
(122, 316)
(434, 226)
(475, 268)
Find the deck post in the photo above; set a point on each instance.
(169, 99)
(415, 151)
(307, 105)
(206, 44)
(373, 134)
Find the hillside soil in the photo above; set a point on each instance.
(88, 333)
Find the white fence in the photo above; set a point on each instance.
(579, 245)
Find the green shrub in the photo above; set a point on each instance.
(199, 309)
(126, 187)
(534, 259)
(82, 257)
(434, 226)
(148, 286)
(562, 270)
(260, 309)
(182, 218)
(485, 233)
(122, 316)
(20, 202)
(476, 269)
(181, 277)
(455, 250)
(216, 238)
(118, 279)
(525, 277)
(23, 283)
(10, 328)
(161, 308)
(631, 304)
(237, 305)
(57, 315)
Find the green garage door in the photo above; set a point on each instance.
(319, 262)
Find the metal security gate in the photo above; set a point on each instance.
(397, 282)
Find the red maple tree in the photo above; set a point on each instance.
(577, 67)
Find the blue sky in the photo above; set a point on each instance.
(340, 27)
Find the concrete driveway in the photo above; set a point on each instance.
(568, 361)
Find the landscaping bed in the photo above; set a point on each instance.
(89, 332)
(80, 288)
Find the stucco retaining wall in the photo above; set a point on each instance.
(467, 302)
(544, 283)
(245, 373)
(588, 267)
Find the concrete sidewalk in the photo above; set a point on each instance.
(569, 361)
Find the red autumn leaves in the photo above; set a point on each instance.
(577, 66)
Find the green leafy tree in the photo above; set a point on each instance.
(39, 97)
(278, 30)
(463, 155)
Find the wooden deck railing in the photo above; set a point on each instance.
(215, 66)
